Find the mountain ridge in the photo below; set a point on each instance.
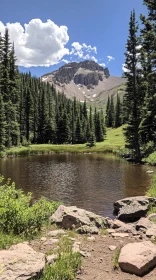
(86, 80)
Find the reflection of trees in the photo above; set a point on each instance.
(135, 180)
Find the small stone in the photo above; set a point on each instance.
(51, 258)
(85, 254)
(110, 230)
(54, 233)
(120, 234)
(52, 241)
(43, 239)
(91, 238)
(76, 247)
(112, 248)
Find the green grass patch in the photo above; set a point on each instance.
(66, 265)
(116, 259)
(152, 190)
(6, 240)
(151, 159)
(113, 143)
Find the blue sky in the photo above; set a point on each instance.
(75, 30)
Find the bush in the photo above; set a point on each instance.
(151, 159)
(16, 215)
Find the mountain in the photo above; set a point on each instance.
(85, 80)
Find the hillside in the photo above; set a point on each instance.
(86, 80)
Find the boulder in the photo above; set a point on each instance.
(138, 258)
(20, 262)
(133, 208)
(143, 224)
(151, 231)
(73, 217)
(88, 229)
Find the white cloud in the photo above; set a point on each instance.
(38, 43)
(65, 60)
(83, 51)
(110, 58)
(102, 64)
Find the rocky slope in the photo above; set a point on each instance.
(85, 80)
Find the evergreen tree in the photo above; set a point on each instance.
(148, 63)
(132, 96)
(118, 120)
(2, 125)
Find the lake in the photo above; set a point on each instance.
(89, 181)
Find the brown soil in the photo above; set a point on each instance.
(99, 264)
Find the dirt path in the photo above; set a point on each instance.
(98, 265)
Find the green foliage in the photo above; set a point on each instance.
(16, 214)
(152, 190)
(151, 159)
(66, 265)
(6, 240)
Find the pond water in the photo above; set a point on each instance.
(89, 181)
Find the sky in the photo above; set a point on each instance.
(49, 33)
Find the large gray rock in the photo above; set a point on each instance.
(133, 208)
(151, 232)
(138, 258)
(73, 217)
(143, 224)
(20, 262)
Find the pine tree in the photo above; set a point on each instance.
(2, 125)
(110, 112)
(118, 120)
(148, 63)
(132, 96)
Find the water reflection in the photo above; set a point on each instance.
(90, 181)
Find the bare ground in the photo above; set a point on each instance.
(99, 263)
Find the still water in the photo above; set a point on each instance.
(90, 181)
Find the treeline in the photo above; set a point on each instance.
(114, 112)
(140, 97)
(32, 112)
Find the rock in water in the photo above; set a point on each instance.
(73, 217)
(20, 262)
(132, 209)
(138, 258)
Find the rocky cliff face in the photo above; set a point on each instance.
(85, 73)
(85, 80)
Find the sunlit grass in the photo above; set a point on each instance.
(113, 142)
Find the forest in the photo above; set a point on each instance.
(31, 111)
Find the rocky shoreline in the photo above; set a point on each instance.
(133, 232)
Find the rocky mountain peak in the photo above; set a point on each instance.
(86, 72)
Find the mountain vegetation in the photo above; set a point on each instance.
(31, 111)
(140, 97)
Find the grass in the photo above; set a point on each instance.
(152, 190)
(151, 159)
(6, 240)
(116, 258)
(113, 143)
(66, 265)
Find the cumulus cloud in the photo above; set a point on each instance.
(102, 64)
(83, 51)
(38, 43)
(110, 58)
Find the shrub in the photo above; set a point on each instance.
(17, 216)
